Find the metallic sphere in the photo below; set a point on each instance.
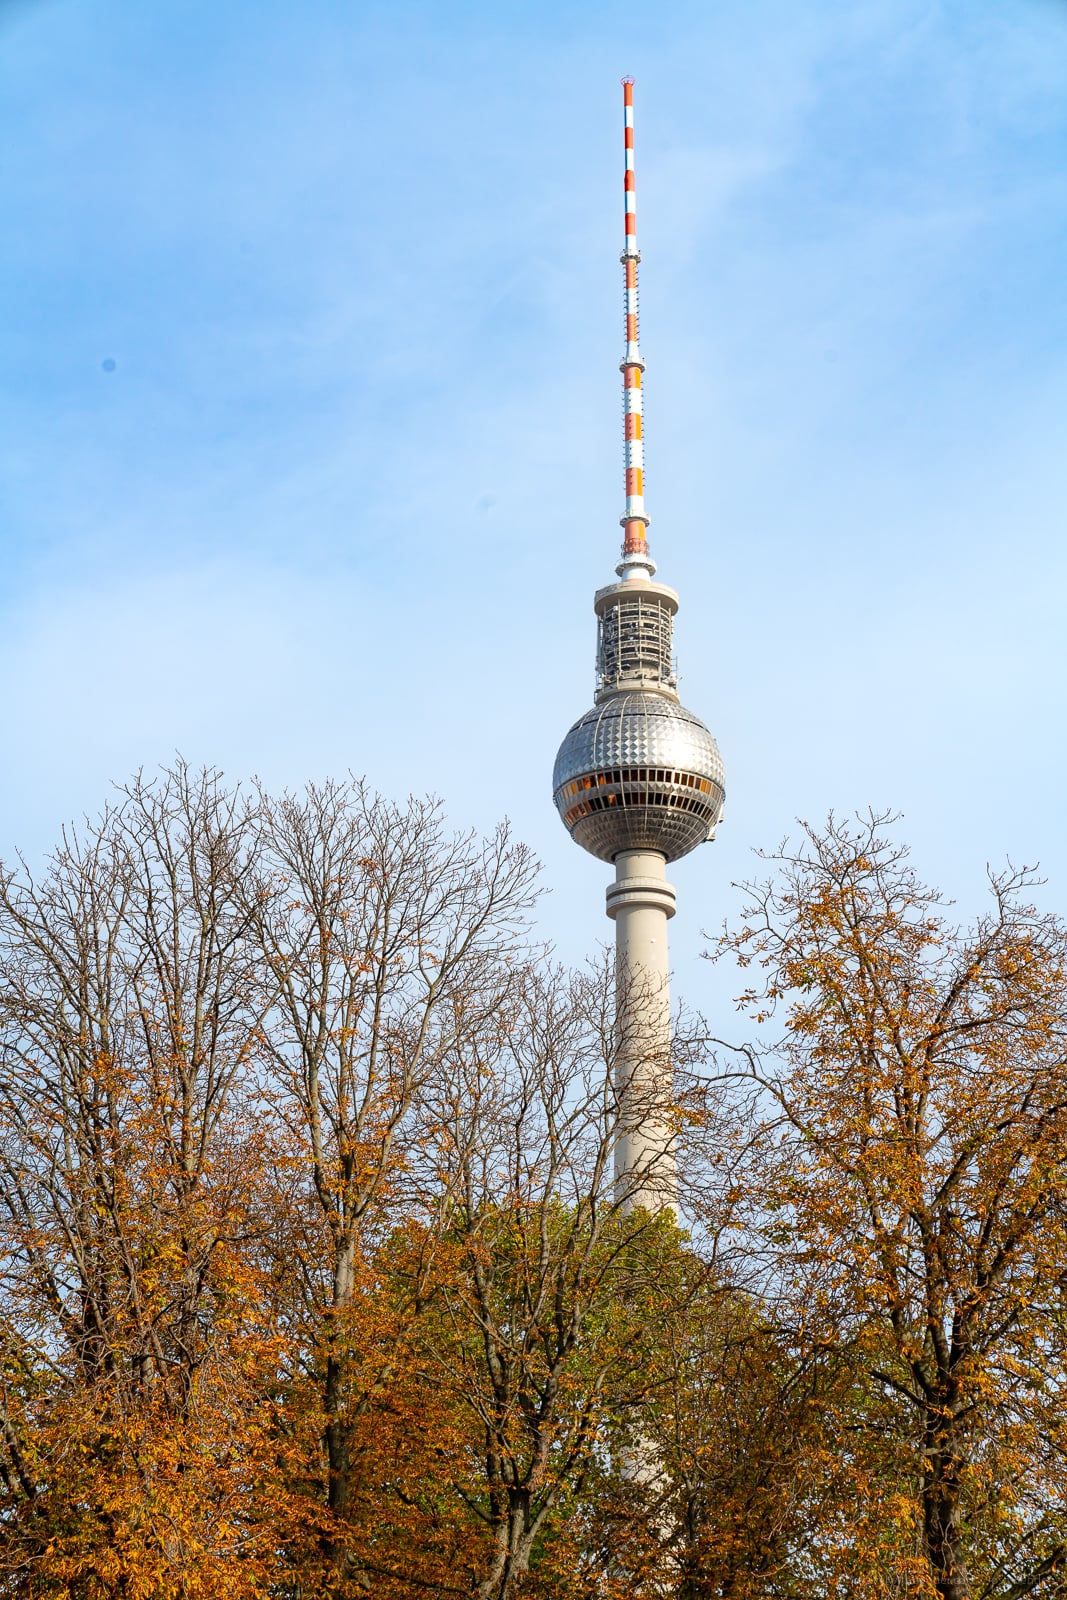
(639, 772)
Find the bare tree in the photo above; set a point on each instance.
(390, 943)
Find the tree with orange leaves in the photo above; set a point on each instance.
(908, 1194)
(136, 1346)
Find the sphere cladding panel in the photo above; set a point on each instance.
(639, 772)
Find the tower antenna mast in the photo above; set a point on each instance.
(634, 519)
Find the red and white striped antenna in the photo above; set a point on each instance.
(635, 556)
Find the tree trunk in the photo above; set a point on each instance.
(514, 1543)
(941, 1515)
(338, 1429)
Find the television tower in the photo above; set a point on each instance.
(638, 781)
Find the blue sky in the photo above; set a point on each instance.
(310, 452)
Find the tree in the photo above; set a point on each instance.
(131, 1345)
(909, 1194)
(389, 945)
(556, 1287)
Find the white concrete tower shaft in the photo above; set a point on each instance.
(641, 902)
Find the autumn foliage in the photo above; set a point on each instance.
(316, 1282)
